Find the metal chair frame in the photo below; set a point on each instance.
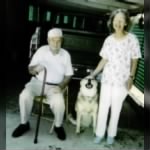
(45, 102)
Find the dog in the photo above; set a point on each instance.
(86, 105)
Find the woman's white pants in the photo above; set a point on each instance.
(32, 89)
(111, 96)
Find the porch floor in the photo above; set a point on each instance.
(127, 139)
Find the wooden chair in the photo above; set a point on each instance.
(45, 102)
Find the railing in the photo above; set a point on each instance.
(137, 96)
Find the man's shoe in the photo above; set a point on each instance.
(60, 133)
(21, 129)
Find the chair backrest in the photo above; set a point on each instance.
(35, 41)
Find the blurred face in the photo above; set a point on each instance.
(55, 44)
(119, 22)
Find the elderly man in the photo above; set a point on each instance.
(57, 62)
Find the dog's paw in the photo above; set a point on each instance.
(81, 131)
(77, 132)
(94, 134)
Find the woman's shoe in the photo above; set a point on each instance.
(110, 140)
(98, 140)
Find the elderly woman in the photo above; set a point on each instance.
(120, 53)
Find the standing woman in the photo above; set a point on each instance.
(120, 53)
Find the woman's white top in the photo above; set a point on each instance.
(119, 54)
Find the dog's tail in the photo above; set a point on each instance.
(71, 119)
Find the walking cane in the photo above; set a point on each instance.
(40, 107)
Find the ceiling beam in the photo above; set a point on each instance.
(103, 4)
(59, 5)
(139, 2)
(113, 3)
(82, 6)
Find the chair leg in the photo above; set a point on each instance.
(66, 104)
(52, 127)
(42, 109)
(67, 108)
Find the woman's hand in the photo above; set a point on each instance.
(129, 83)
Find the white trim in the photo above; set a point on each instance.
(137, 95)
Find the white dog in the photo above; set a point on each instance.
(86, 105)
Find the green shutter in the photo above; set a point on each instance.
(139, 78)
(33, 13)
(30, 13)
(48, 16)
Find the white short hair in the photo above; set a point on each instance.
(55, 32)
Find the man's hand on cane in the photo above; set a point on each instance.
(36, 69)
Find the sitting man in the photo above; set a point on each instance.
(57, 62)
